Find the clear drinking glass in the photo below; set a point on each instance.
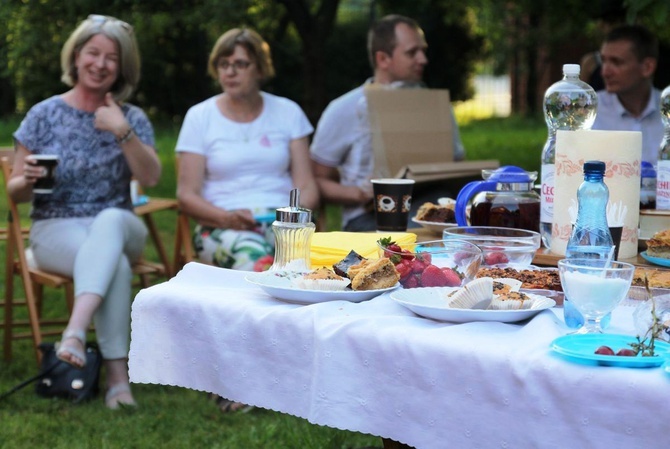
(595, 287)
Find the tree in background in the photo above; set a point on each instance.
(319, 51)
(318, 45)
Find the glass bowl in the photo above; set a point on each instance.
(437, 263)
(500, 246)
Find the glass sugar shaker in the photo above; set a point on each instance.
(293, 230)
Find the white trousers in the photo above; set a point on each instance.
(97, 252)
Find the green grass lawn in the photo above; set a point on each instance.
(171, 417)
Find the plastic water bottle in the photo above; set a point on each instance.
(570, 104)
(590, 238)
(663, 167)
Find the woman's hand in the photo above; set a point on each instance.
(240, 219)
(32, 171)
(109, 117)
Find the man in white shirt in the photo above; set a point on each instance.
(341, 151)
(630, 102)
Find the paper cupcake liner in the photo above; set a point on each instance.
(472, 293)
(514, 284)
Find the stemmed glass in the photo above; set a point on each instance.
(595, 287)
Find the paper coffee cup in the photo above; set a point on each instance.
(392, 200)
(45, 184)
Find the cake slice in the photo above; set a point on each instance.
(436, 213)
(659, 245)
(373, 274)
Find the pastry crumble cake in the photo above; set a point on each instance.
(322, 274)
(659, 245)
(373, 274)
(657, 278)
(436, 213)
(537, 279)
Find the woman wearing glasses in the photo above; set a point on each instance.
(86, 228)
(240, 154)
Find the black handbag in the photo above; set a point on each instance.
(61, 380)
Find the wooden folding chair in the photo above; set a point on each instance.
(146, 211)
(8, 152)
(183, 244)
(34, 280)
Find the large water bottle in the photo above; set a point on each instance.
(663, 167)
(590, 237)
(569, 104)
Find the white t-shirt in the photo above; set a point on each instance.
(612, 116)
(247, 164)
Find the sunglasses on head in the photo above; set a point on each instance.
(101, 20)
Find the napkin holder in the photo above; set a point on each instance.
(622, 153)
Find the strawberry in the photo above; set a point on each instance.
(406, 254)
(425, 257)
(495, 257)
(461, 255)
(432, 276)
(264, 263)
(417, 266)
(403, 269)
(394, 247)
(453, 278)
(411, 281)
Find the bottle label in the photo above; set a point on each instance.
(547, 193)
(663, 185)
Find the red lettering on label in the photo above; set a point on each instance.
(547, 190)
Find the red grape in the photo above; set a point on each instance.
(604, 350)
(626, 353)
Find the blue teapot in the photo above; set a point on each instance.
(505, 198)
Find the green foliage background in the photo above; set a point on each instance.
(318, 55)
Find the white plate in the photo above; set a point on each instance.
(432, 303)
(278, 284)
(434, 226)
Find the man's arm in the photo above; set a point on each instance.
(328, 180)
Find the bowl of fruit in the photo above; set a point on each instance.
(437, 263)
(500, 246)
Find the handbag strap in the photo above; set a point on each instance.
(27, 382)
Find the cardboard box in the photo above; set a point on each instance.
(412, 135)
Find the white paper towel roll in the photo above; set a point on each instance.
(622, 152)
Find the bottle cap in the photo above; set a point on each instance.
(510, 174)
(294, 213)
(647, 170)
(571, 69)
(594, 167)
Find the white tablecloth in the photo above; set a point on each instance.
(377, 368)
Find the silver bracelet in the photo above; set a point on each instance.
(126, 137)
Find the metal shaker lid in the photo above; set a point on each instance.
(294, 213)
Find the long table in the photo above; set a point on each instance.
(377, 368)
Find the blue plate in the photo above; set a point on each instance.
(265, 218)
(655, 260)
(582, 347)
